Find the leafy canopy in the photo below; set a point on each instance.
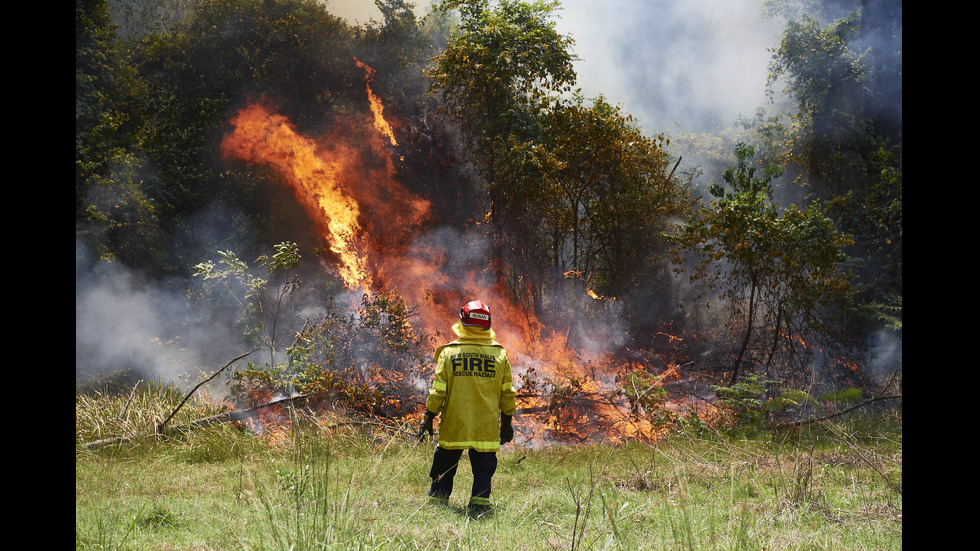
(771, 266)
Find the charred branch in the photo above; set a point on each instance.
(804, 422)
(227, 417)
(163, 426)
(237, 415)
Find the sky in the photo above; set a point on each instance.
(675, 65)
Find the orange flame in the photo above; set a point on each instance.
(376, 106)
(263, 137)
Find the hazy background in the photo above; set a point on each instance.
(677, 66)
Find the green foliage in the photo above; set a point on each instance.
(574, 187)
(397, 51)
(116, 211)
(606, 195)
(843, 396)
(752, 401)
(775, 268)
(376, 350)
(120, 220)
(500, 71)
(755, 401)
(825, 75)
(875, 219)
(108, 95)
(745, 398)
(286, 48)
(368, 361)
(261, 304)
(497, 69)
(844, 72)
(888, 314)
(259, 384)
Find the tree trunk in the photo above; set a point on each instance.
(747, 337)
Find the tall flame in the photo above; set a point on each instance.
(263, 137)
(376, 106)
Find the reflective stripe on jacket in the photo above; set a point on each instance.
(472, 384)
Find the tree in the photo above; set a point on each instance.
(841, 63)
(106, 96)
(775, 268)
(608, 192)
(826, 78)
(500, 67)
(116, 215)
(875, 220)
(574, 187)
(497, 73)
(261, 305)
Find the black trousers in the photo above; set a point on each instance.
(443, 471)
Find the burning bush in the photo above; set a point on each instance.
(368, 359)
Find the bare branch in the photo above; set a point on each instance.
(163, 426)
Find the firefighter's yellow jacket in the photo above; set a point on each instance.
(472, 384)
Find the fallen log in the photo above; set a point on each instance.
(233, 416)
(226, 417)
(805, 422)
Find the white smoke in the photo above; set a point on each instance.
(125, 323)
(693, 65)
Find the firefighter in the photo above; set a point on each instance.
(472, 384)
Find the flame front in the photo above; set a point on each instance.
(374, 226)
(263, 137)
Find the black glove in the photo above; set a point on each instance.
(506, 428)
(426, 426)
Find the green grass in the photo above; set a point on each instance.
(322, 486)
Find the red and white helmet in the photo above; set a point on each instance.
(475, 314)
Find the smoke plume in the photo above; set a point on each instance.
(694, 65)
